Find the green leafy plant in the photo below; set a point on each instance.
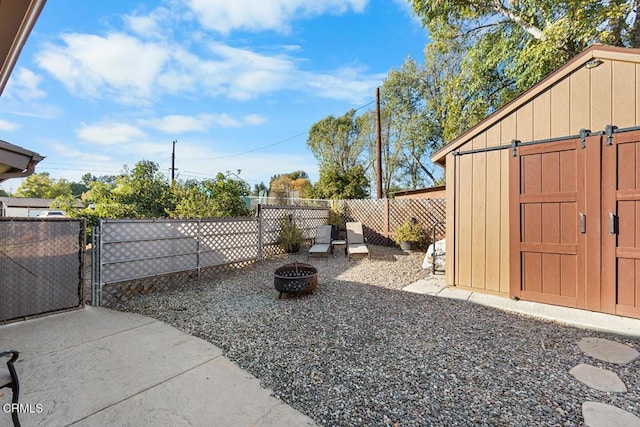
(409, 231)
(335, 219)
(290, 235)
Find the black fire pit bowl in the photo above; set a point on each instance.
(296, 278)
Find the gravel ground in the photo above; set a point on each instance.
(361, 352)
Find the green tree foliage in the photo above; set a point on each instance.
(41, 185)
(145, 190)
(336, 184)
(142, 192)
(212, 198)
(334, 141)
(509, 46)
(3, 193)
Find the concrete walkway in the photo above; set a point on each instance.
(97, 367)
(435, 285)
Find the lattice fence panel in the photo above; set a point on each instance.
(379, 217)
(132, 249)
(306, 218)
(41, 266)
(429, 213)
(370, 213)
(224, 242)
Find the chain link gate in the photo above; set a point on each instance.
(41, 266)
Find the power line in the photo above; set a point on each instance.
(275, 143)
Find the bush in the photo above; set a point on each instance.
(409, 231)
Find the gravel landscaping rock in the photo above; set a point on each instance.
(360, 351)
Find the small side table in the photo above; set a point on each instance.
(335, 243)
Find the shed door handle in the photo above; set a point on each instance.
(612, 223)
(583, 223)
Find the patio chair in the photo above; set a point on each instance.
(9, 379)
(322, 243)
(356, 243)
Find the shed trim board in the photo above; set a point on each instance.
(524, 183)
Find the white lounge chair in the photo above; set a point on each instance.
(356, 243)
(322, 242)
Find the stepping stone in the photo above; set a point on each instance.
(598, 414)
(608, 351)
(598, 378)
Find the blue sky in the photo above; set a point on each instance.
(237, 83)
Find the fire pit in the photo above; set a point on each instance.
(296, 278)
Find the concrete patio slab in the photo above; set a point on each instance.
(72, 328)
(102, 367)
(608, 351)
(598, 414)
(598, 378)
(215, 393)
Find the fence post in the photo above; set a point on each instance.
(96, 280)
(198, 247)
(385, 218)
(260, 225)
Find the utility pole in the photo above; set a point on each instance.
(173, 163)
(378, 147)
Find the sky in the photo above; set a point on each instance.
(238, 84)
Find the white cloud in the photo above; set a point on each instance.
(349, 84)
(154, 25)
(89, 65)
(7, 126)
(110, 133)
(24, 84)
(257, 15)
(178, 124)
(133, 71)
(85, 156)
(254, 119)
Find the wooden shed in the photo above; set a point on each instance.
(543, 195)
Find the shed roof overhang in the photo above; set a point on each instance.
(17, 18)
(592, 52)
(16, 162)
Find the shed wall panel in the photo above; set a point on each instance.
(464, 220)
(600, 102)
(493, 219)
(450, 218)
(589, 99)
(623, 105)
(479, 254)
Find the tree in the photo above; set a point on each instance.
(140, 193)
(336, 184)
(212, 198)
(41, 185)
(145, 190)
(282, 185)
(509, 46)
(334, 141)
(3, 193)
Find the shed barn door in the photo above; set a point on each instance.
(621, 224)
(548, 200)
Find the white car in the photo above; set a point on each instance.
(52, 214)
